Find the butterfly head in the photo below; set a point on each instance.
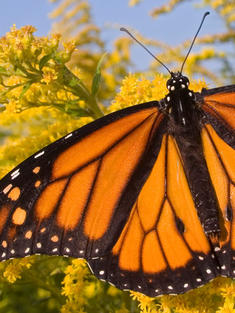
(177, 82)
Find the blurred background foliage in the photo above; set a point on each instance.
(52, 85)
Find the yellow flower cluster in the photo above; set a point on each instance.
(136, 89)
(134, 2)
(215, 297)
(75, 287)
(13, 270)
(33, 73)
(225, 8)
(49, 75)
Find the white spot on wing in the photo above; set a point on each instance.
(101, 272)
(7, 188)
(15, 172)
(14, 176)
(69, 135)
(39, 154)
(39, 245)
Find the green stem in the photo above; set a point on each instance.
(55, 292)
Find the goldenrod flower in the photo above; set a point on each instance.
(49, 75)
(13, 270)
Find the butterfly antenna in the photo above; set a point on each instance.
(127, 31)
(190, 48)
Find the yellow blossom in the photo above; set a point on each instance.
(134, 2)
(144, 301)
(74, 285)
(13, 270)
(49, 75)
(228, 307)
(69, 46)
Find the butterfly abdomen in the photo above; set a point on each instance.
(200, 184)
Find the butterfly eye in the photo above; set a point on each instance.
(169, 83)
(185, 80)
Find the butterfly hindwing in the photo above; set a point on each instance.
(218, 139)
(64, 199)
(171, 253)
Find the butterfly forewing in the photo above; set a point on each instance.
(219, 106)
(63, 199)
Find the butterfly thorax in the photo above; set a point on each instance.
(180, 101)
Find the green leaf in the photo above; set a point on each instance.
(25, 88)
(2, 107)
(2, 69)
(74, 110)
(97, 77)
(73, 82)
(45, 59)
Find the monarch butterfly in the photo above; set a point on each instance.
(145, 194)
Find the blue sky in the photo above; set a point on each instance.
(172, 28)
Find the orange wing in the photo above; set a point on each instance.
(220, 158)
(218, 137)
(66, 199)
(162, 248)
(219, 104)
